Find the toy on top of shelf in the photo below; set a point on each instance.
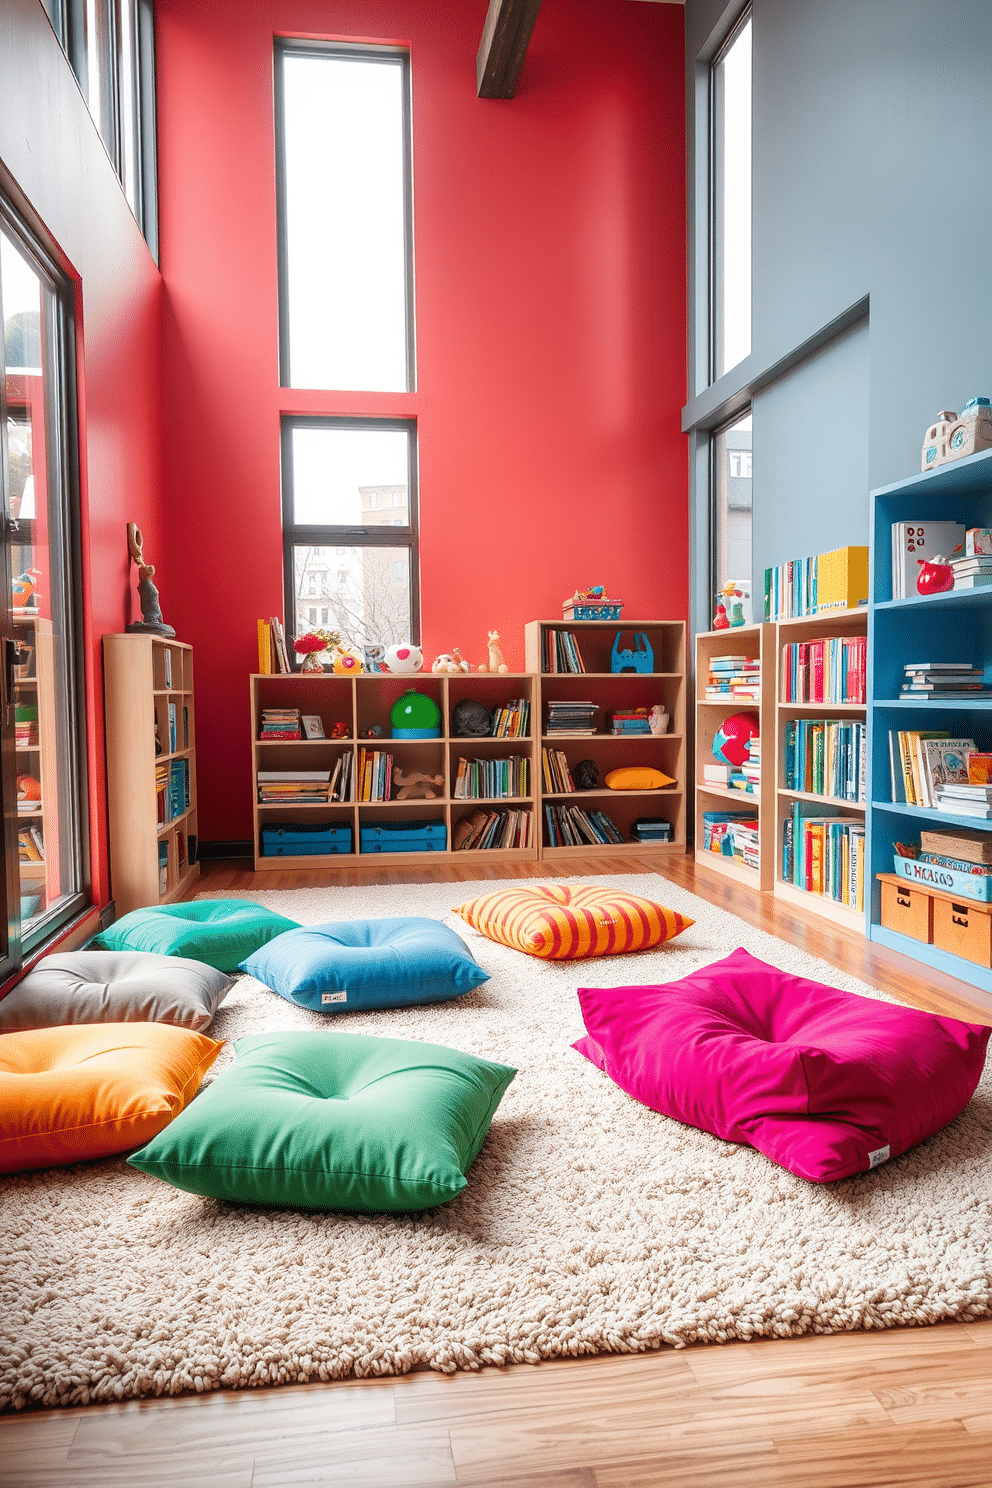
(495, 662)
(374, 658)
(347, 661)
(640, 658)
(934, 577)
(952, 438)
(23, 587)
(720, 620)
(151, 622)
(591, 604)
(732, 740)
(449, 661)
(658, 719)
(405, 658)
(416, 786)
(734, 596)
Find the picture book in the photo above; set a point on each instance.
(943, 762)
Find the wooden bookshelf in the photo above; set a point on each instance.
(34, 686)
(832, 623)
(147, 678)
(759, 643)
(362, 703)
(665, 683)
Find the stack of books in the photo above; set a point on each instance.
(972, 572)
(629, 721)
(651, 831)
(295, 787)
(825, 757)
(561, 652)
(487, 779)
(942, 679)
(557, 776)
(718, 827)
(496, 830)
(744, 842)
(750, 772)
(733, 679)
(965, 800)
(512, 721)
(375, 775)
(571, 826)
(569, 718)
(963, 850)
(717, 774)
(281, 723)
(833, 670)
(25, 725)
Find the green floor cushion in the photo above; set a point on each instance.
(220, 932)
(348, 965)
(333, 1121)
(115, 987)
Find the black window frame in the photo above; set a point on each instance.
(283, 47)
(715, 174)
(299, 534)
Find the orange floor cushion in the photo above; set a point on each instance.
(568, 922)
(92, 1089)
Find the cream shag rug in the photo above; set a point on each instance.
(589, 1224)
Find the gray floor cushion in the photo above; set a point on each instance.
(115, 987)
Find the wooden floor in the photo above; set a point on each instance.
(862, 1410)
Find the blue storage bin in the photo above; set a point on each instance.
(304, 840)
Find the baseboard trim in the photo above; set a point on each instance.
(211, 851)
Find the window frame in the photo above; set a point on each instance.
(300, 534)
(715, 435)
(283, 47)
(714, 176)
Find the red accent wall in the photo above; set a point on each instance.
(550, 313)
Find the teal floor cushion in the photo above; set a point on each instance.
(353, 964)
(333, 1121)
(220, 932)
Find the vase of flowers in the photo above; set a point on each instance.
(313, 646)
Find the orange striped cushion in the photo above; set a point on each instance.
(567, 922)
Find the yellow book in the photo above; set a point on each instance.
(264, 646)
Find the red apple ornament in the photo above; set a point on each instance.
(936, 577)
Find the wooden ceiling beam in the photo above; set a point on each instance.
(503, 46)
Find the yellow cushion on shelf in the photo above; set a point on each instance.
(568, 922)
(637, 777)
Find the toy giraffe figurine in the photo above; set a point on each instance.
(151, 622)
(496, 662)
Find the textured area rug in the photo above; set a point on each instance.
(590, 1224)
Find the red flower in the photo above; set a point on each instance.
(309, 642)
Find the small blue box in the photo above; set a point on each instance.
(304, 840)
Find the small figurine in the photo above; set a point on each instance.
(340, 730)
(375, 732)
(23, 587)
(374, 661)
(496, 662)
(936, 577)
(151, 622)
(720, 621)
(346, 661)
(658, 719)
(952, 437)
(416, 786)
(731, 595)
(449, 661)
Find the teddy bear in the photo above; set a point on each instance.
(416, 786)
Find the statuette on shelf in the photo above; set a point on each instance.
(151, 622)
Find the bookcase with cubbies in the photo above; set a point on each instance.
(151, 769)
(820, 764)
(493, 813)
(608, 692)
(758, 644)
(942, 928)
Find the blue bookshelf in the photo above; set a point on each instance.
(941, 627)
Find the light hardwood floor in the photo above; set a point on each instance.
(910, 1407)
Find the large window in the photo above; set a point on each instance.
(350, 528)
(731, 505)
(730, 153)
(42, 775)
(343, 169)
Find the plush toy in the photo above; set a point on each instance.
(347, 661)
(449, 661)
(496, 662)
(340, 731)
(658, 719)
(416, 786)
(406, 658)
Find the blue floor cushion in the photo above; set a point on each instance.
(349, 965)
(333, 1120)
(220, 932)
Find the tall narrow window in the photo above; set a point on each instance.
(42, 795)
(731, 199)
(350, 485)
(731, 523)
(343, 166)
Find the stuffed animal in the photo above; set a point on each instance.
(416, 786)
(347, 661)
(406, 658)
(449, 661)
(496, 662)
(658, 719)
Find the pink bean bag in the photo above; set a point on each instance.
(823, 1082)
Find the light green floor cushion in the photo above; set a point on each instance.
(333, 1121)
(220, 932)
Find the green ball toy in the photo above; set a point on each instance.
(415, 716)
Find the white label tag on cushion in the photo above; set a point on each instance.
(880, 1155)
(326, 997)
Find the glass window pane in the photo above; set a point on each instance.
(732, 201)
(47, 803)
(732, 506)
(350, 477)
(366, 599)
(128, 99)
(344, 173)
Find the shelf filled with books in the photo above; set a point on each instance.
(611, 695)
(735, 713)
(931, 725)
(332, 777)
(821, 763)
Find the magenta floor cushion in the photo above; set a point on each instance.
(823, 1082)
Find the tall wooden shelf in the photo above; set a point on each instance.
(759, 643)
(607, 689)
(825, 626)
(362, 703)
(955, 626)
(34, 687)
(144, 676)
